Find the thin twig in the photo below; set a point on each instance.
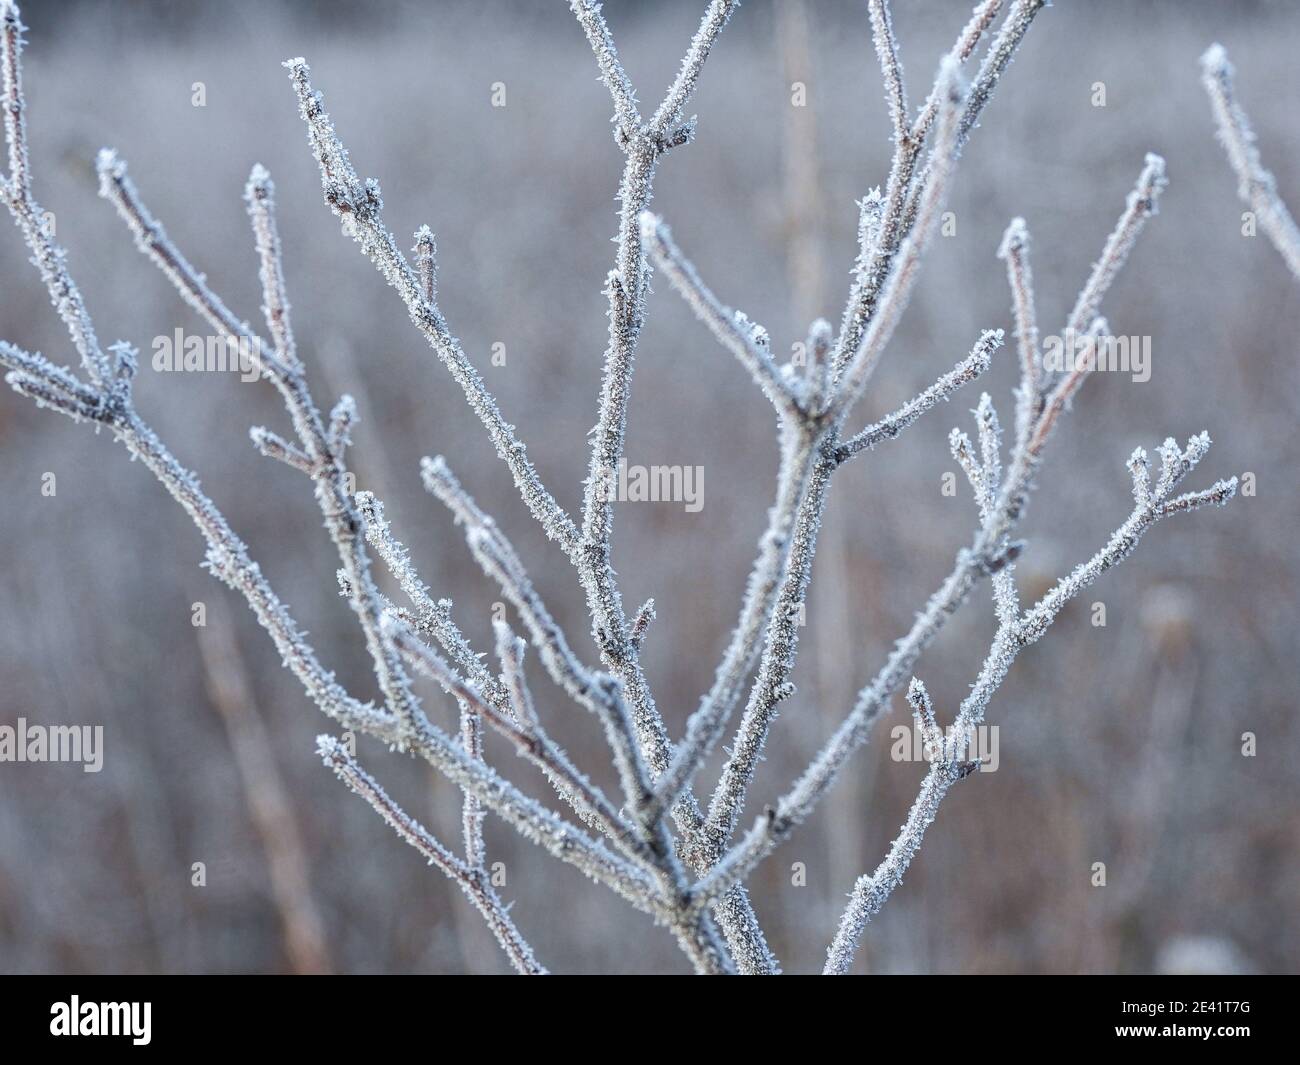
(1255, 185)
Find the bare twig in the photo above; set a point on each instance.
(1256, 186)
(642, 851)
(473, 881)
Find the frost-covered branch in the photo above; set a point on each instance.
(50, 260)
(861, 361)
(470, 877)
(1256, 186)
(399, 723)
(625, 291)
(1015, 632)
(982, 17)
(626, 115)
(471, 738)
(707, 722)
(894, 213)
(882, 32)
(359, 206)
(280, 364)
(670, 111)
(431, 619)
(745, 339)
(871, 892)
(892, 425)
(643, 850)
(990, 553)
(510, 653)
(530, 740)
(1015, 250)
(888, 226)
(645, 617)
(599, 694)
(772, 685)
(1140, 207)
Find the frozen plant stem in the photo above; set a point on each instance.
(1015, 633)
(992, 551)
(655, 845)
(1255, 185)
(470, 877)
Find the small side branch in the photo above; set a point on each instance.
(891, 69)
(599, 694)
(894, 296)
(359, 206)
(1015, 251)
(612, 73)
(735, 332)
(669, 115)
(870, 893)
(1255, 185)
(528, 737)
(1014, 634)
(1140, 208)
(892, 425)
(469, 878)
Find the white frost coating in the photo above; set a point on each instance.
(468, 875)
(663, 851)
(1255, 185)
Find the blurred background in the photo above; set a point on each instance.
(1119, 744)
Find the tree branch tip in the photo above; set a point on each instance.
(110, 167)
(1015, 238)
(642, 622)
(259, 185)
(1151, 182)
(435, 472)
(424, 242)
(1214, 61)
